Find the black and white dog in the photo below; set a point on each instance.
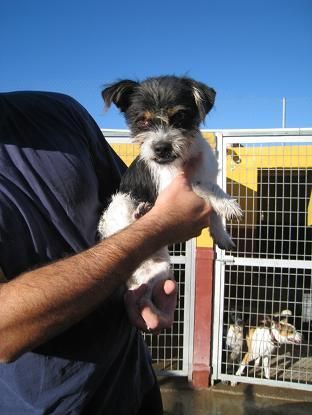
(164, 114)
(235, 336)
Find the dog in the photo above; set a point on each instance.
(235, 336)
(164, 114)
(264, 339)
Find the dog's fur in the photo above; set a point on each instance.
(164, 115)
(264, 339)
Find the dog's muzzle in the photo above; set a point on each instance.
(163, 152)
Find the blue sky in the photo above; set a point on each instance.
(253, 52)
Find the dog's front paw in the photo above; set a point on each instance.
(219, 234)
(225, 243)
(229, 209)
(141, 210)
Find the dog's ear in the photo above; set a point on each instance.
(204, 97)
(119, 93)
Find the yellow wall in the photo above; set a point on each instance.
(254, 158)
(127, 152)
(205, 240)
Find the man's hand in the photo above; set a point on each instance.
(154, 312)
(181, 212)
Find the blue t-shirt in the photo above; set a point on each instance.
(57, 174)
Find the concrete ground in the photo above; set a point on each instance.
(180, 399)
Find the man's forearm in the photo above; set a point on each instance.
(44, 302)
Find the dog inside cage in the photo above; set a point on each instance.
(267, 333)
(267, 300)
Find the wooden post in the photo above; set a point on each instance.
(203, 317)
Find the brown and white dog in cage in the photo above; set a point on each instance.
(264, 339)
(164, 114)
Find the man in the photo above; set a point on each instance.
(66, 343)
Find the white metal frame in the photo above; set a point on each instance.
(179, 362)
(225, 260)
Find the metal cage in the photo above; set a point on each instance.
(263, 288)
(172, 349)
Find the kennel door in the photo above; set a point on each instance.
(267, 277)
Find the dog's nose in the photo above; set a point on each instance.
(163, 149)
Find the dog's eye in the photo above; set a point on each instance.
(179, 119)
(143, 124)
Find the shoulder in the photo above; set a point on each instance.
(31, 98)
(41, 103)
(25, 97)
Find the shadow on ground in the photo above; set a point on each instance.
(180, 399)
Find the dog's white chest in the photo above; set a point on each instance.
(165, 175)
(262, 343)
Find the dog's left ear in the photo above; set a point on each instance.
(204, 98)
(119, 93)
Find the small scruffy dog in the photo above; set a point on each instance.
(164, 114)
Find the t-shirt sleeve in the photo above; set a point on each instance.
(105, 160)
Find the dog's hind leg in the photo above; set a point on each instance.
(142, 209)
(155, 268)
(266, 366)
(118, 215)
(257, 361)
(247, 358)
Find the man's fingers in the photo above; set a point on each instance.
(155, 320)
(154, 313)
(166, 287)
(165, 296)
(136, 319)
(191, 165)
(170, 286)
(132, 296)
(132, 299)
(150, 316)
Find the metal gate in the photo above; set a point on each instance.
(263, 288)
(172, 349)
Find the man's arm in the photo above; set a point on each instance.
(42, 303)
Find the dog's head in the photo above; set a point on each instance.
(163, 113)
(286, 333)
(237, 318)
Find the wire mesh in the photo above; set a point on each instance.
(273, 184)
(258, 296)
(167, 348)
(267, 310)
